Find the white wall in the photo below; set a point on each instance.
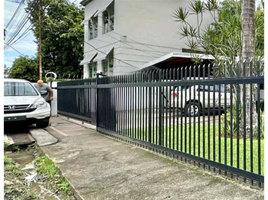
(54, 103)
(144, 30)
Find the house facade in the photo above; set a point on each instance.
(123, 36)
(7, 71)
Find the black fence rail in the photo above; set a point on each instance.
(211, 115)
(78, 99)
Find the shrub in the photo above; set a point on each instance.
(235, 124)
(261, 127)
(229, 121)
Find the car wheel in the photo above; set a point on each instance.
(42, 124)
(192, 109)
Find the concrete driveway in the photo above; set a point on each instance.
(99, 167)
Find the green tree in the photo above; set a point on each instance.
(25, 68)
(231, 35)
(222, 37)
(62, 35)
(248, 29)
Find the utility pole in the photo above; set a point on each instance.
(40, 41)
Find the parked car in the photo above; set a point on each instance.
(194, 105)
(23, 103)
(261, 98)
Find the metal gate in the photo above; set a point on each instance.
(77, 99)
(203, 115)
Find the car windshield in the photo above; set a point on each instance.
(19, 89)
(211, 88)
(181, 87)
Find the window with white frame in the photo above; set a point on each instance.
(93, 28)
(90, 30)
(92, 69)
(108, 64)
(108, 18)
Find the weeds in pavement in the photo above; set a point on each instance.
(51, 173)
(15, 186)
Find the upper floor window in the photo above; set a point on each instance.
(108, 18)
(93, 28)
(90, 30)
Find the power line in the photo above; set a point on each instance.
(128, 44)
(15, 13)
(102, 46)
(25, 33)
(133, 46)
(133, 40)
(21, 24)
(15, 50)
(21, 37)
(107, 54)
(20, 27)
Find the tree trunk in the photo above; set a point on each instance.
(248, 29)
(248, 53)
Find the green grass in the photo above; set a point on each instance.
(7, 160)
(8, 147)
(48, 170)
(15, 187)
(175, 139)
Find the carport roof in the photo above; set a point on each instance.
(176, 59)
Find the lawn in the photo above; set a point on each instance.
(203, 142)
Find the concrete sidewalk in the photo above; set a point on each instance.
(102, 168)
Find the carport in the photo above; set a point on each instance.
(182, 61)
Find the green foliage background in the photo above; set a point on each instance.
(62, 39)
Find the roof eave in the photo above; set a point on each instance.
(177, 54)
(85, 2)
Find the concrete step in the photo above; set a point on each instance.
(42, 137)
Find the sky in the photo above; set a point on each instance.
(27, 45)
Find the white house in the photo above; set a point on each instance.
(7, 71)
(123, 36)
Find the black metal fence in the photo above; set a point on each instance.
(209, 115)
(78, 99)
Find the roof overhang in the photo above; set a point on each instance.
(103, 54)
(85, 2)
(176, 59)
(103, 8)
(87, 59)
(90, 16)
(94, 13)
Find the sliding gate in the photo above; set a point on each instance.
(77, 99)
(211, 118)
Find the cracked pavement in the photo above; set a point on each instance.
(99, 167)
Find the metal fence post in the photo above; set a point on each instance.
(150, 114)
(161, 136)
(143, 117)
(96, 99)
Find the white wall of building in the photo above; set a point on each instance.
(144, 30)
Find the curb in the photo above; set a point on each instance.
(81, 123)
(75, 193)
